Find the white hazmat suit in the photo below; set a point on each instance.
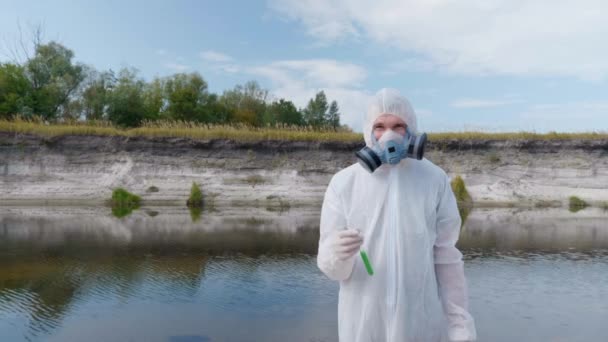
(409, 221)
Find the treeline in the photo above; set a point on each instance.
(51, 85)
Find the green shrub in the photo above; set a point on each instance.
(463, 198)
(121, 197)
(460, 191)
(196, 196)
(124, 202)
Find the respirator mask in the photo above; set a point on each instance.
(391, 149)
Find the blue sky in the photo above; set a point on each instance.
(492, 65)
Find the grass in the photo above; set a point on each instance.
(576, 204)
(242, 132)
(192, 130)
(460, 191)
(196, 196)
(123, 202)
(463, 198)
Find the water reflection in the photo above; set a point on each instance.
(545, 230)
(79, 230)
(73, 274)
(258, 231)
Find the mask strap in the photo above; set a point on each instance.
(408, 134)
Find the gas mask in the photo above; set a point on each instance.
(391, 149)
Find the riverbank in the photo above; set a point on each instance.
(279, 174)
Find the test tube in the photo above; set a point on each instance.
(368, 265)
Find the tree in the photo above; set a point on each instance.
(155, 102)
(315, 111)
(96, 94)
(215, 112)
(333, 116)
(15, 91)
(285, 112)
(248, 102)
(126, 100)
(53, 78)
(185, 94)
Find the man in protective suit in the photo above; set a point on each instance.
(405, 217)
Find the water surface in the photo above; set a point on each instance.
(80, 274)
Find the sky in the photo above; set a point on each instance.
(490, 65)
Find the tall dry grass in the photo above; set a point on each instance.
(243, 132)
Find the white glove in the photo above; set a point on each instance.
(346, 243)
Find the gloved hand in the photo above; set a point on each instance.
(346, 243)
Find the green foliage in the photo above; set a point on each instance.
(126, 100)
(185, 94)
(124, 202)
(196, 196)
(463, 198)
(53, 78)
(121, 197)
(50, 85)
(576, 204)
(96, 95)
(460, 191)
(15, 91)
(333, 116)
(216, 112)
(154, 99)
(152, 189)
(248, 102)
(284, 112)
(315, 112)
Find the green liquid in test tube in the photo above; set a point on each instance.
(368, 265)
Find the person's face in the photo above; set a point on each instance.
(388, 121)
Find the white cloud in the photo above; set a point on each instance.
(481, 103)
(324, 72)
(542, 37)
(178, 67)
(220, 61)
(300, 80)
(161, 52)
(214, 56)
